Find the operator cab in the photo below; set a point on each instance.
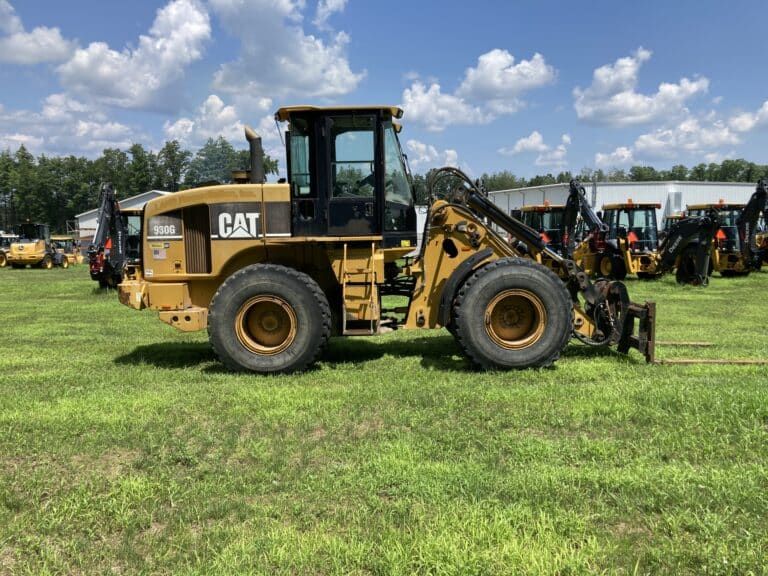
(347, 174)
(727, 237)
(547, 220)
(33, 232)
(636, 222)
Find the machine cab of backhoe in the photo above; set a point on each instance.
(635, 222)
(547, 220)
(347, 174)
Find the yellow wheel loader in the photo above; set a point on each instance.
(33, 248)
(272, 271)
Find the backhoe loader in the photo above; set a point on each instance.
(684, 247)
(737, 247)
(273, 270)
(116, 242)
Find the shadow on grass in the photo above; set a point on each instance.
(169, 355)
(438, 353)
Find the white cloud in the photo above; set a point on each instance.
(612, 99)
(749, 121)
(493, 88)
(426, 156)
(142, 77)
(325, 9)
(693, 137)
(499, 82)
(65, 126)
(213, 119)
(18, 46)
(557, 156)
(534, 142)
(547, 156)
(435, 110)
(280, 60)
(622, 156)
(688, 136)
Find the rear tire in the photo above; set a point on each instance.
(611, 266)
(513, 313)
(267, 319)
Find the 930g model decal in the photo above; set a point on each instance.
(165, 227)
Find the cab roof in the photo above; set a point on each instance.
(543, 208)
(717, 206)
(283, 114)
(631, 205)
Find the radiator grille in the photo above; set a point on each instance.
(197, 239)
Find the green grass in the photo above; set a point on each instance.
(125, 448)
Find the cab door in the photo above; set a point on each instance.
(352, 178)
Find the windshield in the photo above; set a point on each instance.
(398, 197)
(639, 225)
(28, 232)
(546, 222)
(728, 220)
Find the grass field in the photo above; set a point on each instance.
(125, 448)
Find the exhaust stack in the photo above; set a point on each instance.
(257, 156)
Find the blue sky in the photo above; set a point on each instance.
(530, 86)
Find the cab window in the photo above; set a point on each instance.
(352, 157)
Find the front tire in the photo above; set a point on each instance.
(268, 319)
(65, 263)
(47, 262)
(513, 313)
(686, 270)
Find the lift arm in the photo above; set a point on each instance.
(606, 304)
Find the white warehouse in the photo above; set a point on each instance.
(673, 196)
(86, 221)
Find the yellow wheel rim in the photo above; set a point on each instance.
(266, 325)
(515, 319)
(606, 267)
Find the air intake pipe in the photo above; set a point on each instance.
(257, 156)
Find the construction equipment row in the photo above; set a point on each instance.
(623, 239)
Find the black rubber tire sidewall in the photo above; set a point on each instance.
(509, 273)
(297, 289)
(686, 271)
(619, 268)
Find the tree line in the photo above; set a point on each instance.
(54, 189)
(727, 171)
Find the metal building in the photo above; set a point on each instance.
(673, 195)
(87, 220)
